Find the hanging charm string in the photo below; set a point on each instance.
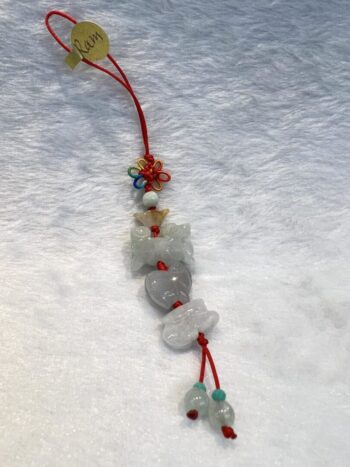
(124, 81)
(148, 174)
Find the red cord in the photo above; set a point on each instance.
(203, 342)
(213, 369)
(202, 372)
(124, 82)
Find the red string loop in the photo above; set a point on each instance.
(123, 81)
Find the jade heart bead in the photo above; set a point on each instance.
(167, 287)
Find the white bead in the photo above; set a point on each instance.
(220, 414)
(150, 199)
(197, 399)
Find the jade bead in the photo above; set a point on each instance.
(150, 199)
(197, 399)
(220, 414)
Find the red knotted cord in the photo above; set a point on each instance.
(124, 82)
(161, 266)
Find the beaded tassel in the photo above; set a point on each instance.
(169, 287)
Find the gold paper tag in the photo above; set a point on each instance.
(88, 41)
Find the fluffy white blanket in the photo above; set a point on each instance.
(248, 105)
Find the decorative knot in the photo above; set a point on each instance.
(201, 339)
(148, 157)
(155, 230)
(228, 432)
(148, 172)
(162, 266)
(192, 414)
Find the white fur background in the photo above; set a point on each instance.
(248, 104)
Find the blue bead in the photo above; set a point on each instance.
(200, 386)
(218, 395)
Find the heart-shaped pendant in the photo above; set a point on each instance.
(167, 287)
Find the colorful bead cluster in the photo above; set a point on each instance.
(168, 247)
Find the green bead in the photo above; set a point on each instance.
(200, 386)
(218, 395)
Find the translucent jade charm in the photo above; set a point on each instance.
(167, 287)
(221, 417)
(182, 325)
(196, 402)
(173, 244)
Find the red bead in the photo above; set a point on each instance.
(228, 432)
(192, 414)
(177, 304)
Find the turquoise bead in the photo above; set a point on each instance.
(218, 395)
(200, 386)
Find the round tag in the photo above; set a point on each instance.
(90, 40)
